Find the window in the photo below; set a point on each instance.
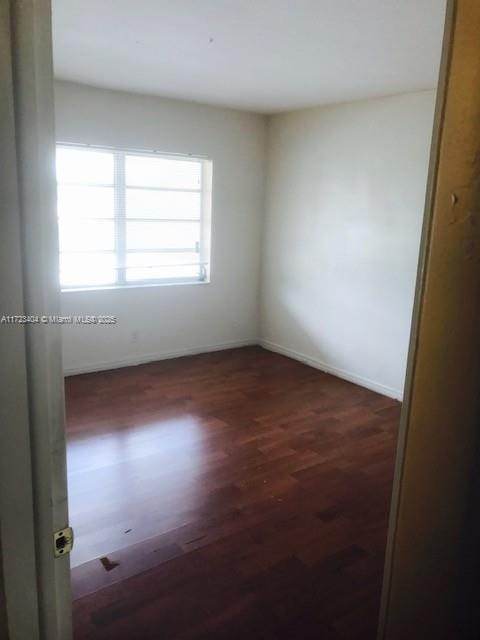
(128, 218)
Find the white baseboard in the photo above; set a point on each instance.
(154, 357)
(385, 390)
(266, 344)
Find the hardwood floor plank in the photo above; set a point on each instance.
(238, 494)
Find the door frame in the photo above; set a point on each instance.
(18, 562)
(426, 569)
(33, 499)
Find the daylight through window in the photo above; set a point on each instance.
(130, 218)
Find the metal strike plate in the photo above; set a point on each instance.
(63, 542)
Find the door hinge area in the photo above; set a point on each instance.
(63, 542)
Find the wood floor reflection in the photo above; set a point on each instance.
(237, 494)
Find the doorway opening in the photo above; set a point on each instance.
(238, 249)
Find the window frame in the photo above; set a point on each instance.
(120, 219)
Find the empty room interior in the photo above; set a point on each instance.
(241, 191)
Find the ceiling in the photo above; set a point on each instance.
(260, 55)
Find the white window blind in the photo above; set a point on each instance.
(129, 218)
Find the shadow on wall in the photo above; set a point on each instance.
(310, 340)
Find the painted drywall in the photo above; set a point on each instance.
(155, 322)
(344, 207)
(342, 214)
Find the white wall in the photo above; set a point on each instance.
(342, 216)
(158, 321)
(345, 197)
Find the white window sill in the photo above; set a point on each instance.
(143, 285)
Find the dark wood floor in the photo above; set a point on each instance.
(232, 495)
